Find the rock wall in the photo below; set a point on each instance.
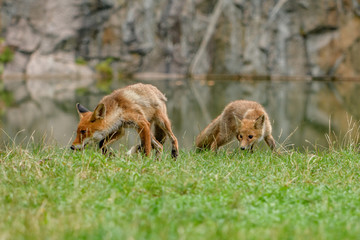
(251, 37)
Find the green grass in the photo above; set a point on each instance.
(54, 193)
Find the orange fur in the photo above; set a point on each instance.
(137, 106)
(245, 120)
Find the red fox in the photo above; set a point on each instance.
(137, 106)
(245, 120)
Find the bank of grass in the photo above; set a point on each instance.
(54, 193)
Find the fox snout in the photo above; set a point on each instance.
(72, 147)
(245, 147)
(76, 147)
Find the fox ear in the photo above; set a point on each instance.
(259, 122)
(81, 109)
(99, 113)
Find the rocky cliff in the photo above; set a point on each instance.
(251, 37)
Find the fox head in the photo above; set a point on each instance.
(249, 132)
(90, 126)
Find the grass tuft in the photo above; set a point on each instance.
(349, 140)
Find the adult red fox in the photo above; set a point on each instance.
(245, 120)
(137, 106)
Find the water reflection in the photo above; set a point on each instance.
(47, 107)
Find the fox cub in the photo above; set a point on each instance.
(137, 106)
(245, 120)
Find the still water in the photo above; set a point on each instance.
(301, 112)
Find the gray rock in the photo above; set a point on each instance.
(60, 64)
(251, 36)
(18, 65)
(23, 36)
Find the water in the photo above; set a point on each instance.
(301, 112)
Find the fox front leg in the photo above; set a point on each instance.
(109, 139)
(104, 148)
(270, 142)
(252, 148)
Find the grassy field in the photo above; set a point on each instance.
(47, 192)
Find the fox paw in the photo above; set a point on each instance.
(174, 153)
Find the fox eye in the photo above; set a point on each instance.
(251, 136)
(241, 136)
(82, 131)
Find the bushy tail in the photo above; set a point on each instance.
(208, 135)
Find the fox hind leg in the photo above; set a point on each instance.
(164, 123)
(160, 134)
(223, 136)
(219, 141)
(157, 145)
(158, 141)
